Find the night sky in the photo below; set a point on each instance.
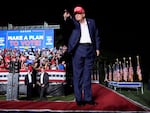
(123, 25)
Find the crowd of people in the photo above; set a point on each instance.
(33, 61)
(50, 58)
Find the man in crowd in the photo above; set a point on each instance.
(43, 83)
(30, 81)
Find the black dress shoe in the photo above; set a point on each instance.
(90, 102)
(80, 103)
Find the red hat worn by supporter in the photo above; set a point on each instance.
(30, 68)
(79, 9)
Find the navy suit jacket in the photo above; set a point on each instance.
(76, 34)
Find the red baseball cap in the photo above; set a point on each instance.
(30, 68)
(79, 9)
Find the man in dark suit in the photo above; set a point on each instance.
(30, 81)
(43, 83)
(84, 46)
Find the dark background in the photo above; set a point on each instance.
(123, 25)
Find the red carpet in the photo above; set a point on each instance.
(107, 101)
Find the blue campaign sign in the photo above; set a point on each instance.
(23, 39)
(2, 39)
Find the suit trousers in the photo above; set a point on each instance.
(83, 60)
(43, 91)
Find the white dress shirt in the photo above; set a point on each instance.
(41, 78)
(85, 35)
(30, 77)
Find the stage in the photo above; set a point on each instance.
(108, 101)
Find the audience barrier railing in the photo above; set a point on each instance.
(56, 78)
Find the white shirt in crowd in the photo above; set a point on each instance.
(41, 78)
(30, 77)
